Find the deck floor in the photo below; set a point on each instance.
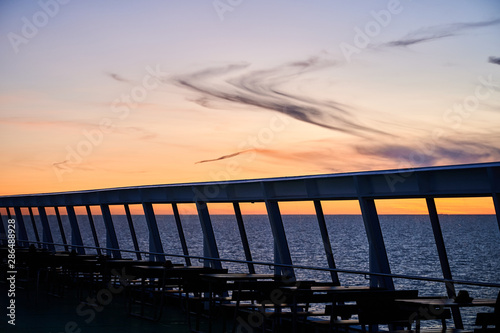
(49, 314)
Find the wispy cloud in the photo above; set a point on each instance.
(139, 132)
(264, 89)
(437, 32)
(41, 123)
(446, 151)
(67, 165)
(116, 77)
(60, 165)
(136, 131)
(494, 60)
(313, 156)
(224, 156)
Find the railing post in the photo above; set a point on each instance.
(61, 228)
(111, 239)
(244, 238)
(132, 231)
(379, 263)
(278, 270)
(209, 243)
(92, 228)
(280, 241)
(180, 231)
(154, 234)
(494, 180)
(3, 234)
(76, 236)
(443, 258)
(22, 235)
(35, 229)
(496, 203)
(326, 241)
(46, 232)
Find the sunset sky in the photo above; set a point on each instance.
(97, 94)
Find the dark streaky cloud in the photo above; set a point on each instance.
(261, 89)
(437, 32)
(223, 157)
(117, 77)
(454, 151)
(494, 60)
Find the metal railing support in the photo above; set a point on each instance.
(378, 254)
(61, 228)
(92, 228)
(46, 232)
(154, 234)
(180, 231)
(243, 236)
(76, 236)
(21, 233)
(209, 243)
(494, 180)
(326, 241)
(496, 203)
(3, 234)
(443, 258)
(33, 223)
(132, 231)
(280, 241)
(111, 239)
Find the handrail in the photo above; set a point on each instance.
(263, 263)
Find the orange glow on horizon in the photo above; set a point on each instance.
(458, 206)
(473, 206)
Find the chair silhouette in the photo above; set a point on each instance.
(485, 319)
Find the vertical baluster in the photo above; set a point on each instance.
(180, 231)
(92, 228)
(132, 232)
(61, 228)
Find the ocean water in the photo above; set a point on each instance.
(472, 243)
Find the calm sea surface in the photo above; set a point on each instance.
(472, 243)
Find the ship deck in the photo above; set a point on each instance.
(50, 314)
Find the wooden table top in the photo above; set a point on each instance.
(240, 276)
(330, 289)
(447, 302)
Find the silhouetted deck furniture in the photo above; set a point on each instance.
(70, 270)
(243, 287)
(434, 330)
(487, 319)
(435, 308)
(31, 267)
(147, 290)
(334, 297)
(447, 302)
(154, 281)
(372, 307)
